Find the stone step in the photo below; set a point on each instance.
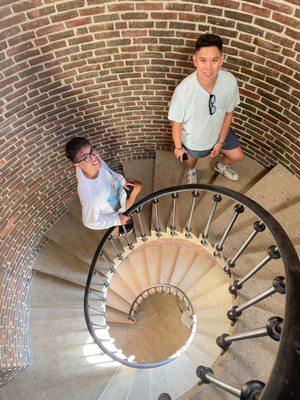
(140, 385)
(71, 235)
(154, 263)
(119, 386)
(185, 260)
(139, 269)
(127, 273)
(57, 261)
(215, 322)
(168, 261)
(119, 286)
(116, 301)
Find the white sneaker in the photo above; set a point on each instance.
(226, 171)
(192, 177)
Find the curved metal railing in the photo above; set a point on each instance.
(284, 381)
(165, 288)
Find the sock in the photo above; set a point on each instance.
(220, 165)
(192, 171)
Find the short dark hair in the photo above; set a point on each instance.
(74, 146)
(208, 40)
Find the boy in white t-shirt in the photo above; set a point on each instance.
(201, 111)
(104, 195)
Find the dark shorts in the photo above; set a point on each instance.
(129, 191)
(232, 142)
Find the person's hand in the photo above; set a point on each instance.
(123, 219)
(179, 153)
(127, 184)
(216, 150)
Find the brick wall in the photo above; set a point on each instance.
(107, 70)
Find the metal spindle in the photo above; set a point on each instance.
(129, 242)
(118, 253)
(238, 209)
(109, 264)
(250, 390)
(99, 294)
(173, 226)
(157, 229)
(216, 199)
(143, 234)
(273, 253)
(278, 286)
(272, 329)
(188, 228)
(97, 311)
(258, 227)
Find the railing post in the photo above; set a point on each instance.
(273, 254)
(129, 242)
(249, 391)
(272, 329)
(216, 199)
(157, 221)
(173, 226)
(278, 286)
(257, 227)
(118, 253)
(143, 234)
(188, 228)
(238, 209)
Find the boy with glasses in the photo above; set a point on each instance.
(201, 111)
(104, 195)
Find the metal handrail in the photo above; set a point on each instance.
(161, 285)
(284, 380)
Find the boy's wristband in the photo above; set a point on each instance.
(178, 148)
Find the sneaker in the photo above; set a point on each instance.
(226, 171)
(192, 177)
(128, 227)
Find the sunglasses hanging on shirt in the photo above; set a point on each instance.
(211, 104)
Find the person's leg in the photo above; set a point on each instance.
(232, 153)
(193, 156)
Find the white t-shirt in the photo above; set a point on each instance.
(102, 198)
(189, 106)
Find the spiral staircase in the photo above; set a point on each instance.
(191, 243)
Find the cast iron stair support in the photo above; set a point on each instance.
(156, 212)
(217, 198)
(129, 242)
(99, 294)
(278, 286)
(238, 209)
(118, 252)
(109, 264)
(102, 278)
(272, 329)
(173, 226)
(143, 234)
(188, 228)
(258, 227)
(273, 254)
(249, 391)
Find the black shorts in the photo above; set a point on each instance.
(129, 191)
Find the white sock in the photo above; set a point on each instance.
(192, 171)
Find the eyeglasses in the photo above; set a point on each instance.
(211, 104)
(87, 157)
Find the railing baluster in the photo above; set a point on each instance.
(216, 199)
(173, 226)
(273, 254)
(118, 253)
(258, 227)
(278, 286)
(109, 264)
(129, 242)
(272, 329)
(157, 221)
(99, 294)
(238, 209)
(188, 228)
(143, 234)
(250, 390)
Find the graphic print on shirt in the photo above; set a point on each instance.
(114, 198)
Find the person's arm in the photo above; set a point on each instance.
(222, 135)
(101, 221)
(179, 150)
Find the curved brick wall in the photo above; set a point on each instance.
(107, 70)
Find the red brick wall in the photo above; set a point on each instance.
(107, 70)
